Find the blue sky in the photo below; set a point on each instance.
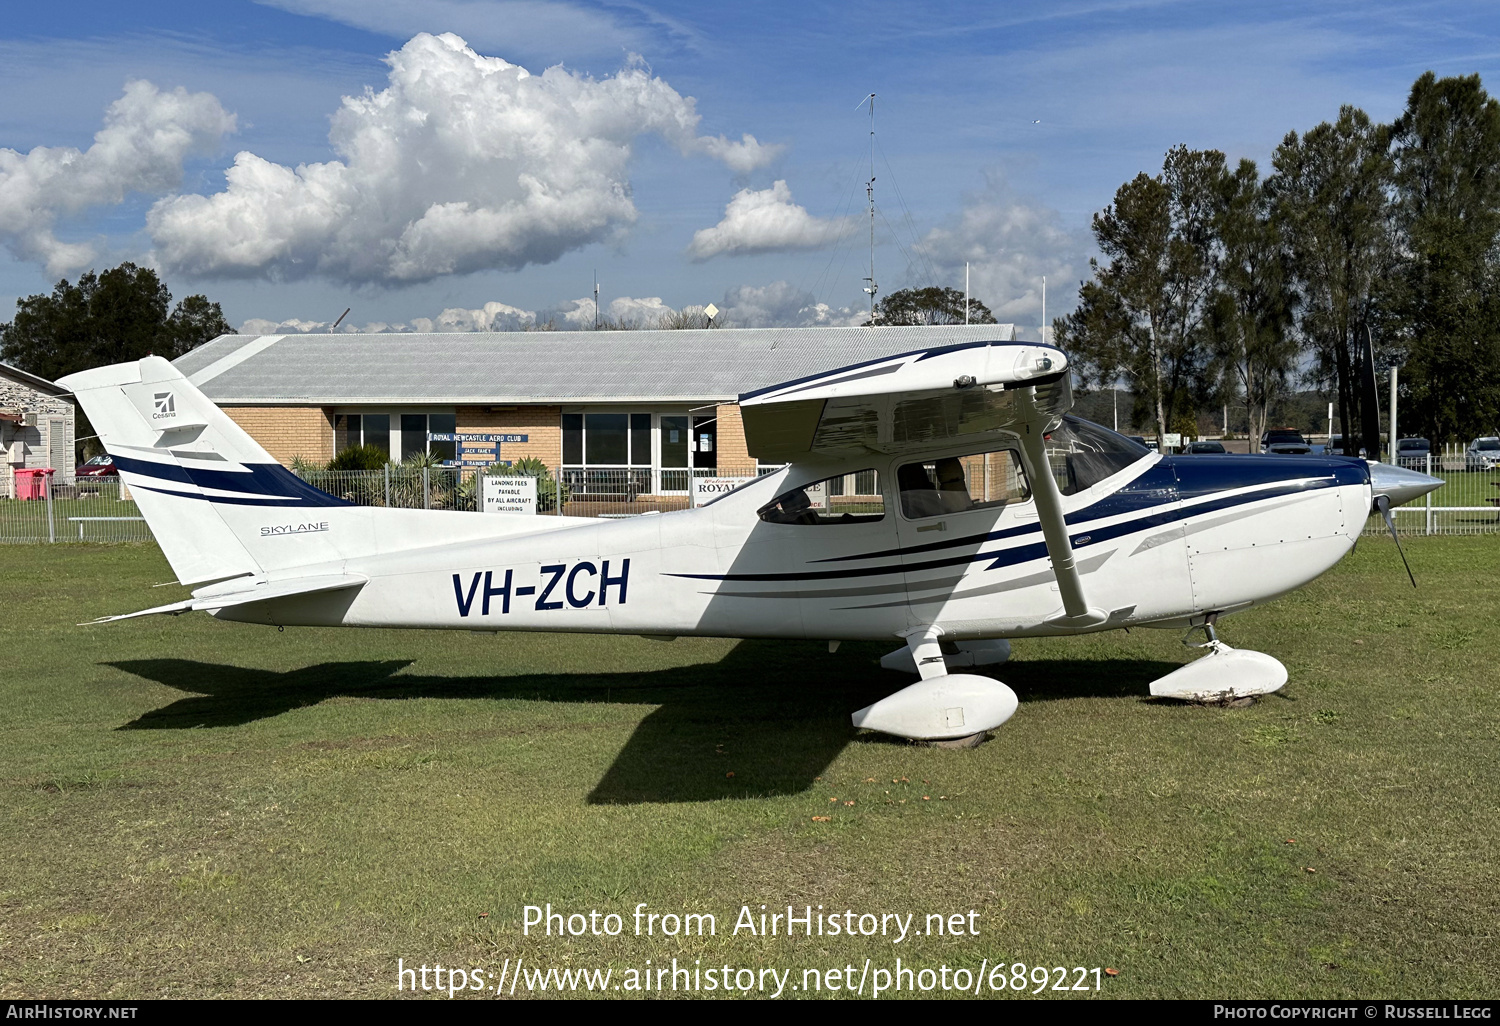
(1001, 129)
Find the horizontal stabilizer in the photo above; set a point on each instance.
(241, 596)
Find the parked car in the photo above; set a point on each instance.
(99, 466)
(1195, 448)
(1141, 440)
(1410, 451)
(1335, 447)
(1483, 453)
(1284, 442)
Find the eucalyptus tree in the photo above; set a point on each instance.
(929, 306)
(1144, 315)
(1331, 193)
(1446, 150)
(121, 314)
(1252, 315)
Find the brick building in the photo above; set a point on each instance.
(577, 400)
(36, 427)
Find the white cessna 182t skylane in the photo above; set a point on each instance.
(942, 496)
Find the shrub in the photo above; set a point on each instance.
(359, 457)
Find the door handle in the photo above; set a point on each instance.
(941, 525)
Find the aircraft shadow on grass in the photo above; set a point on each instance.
(773, 713)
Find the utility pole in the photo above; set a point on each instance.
(1044, 309)
(966, 292)
(596, 300)
(870, 194)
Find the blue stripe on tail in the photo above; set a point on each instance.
(264, 484)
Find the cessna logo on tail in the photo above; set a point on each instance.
(166, 406)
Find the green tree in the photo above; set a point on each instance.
(930, 306)
(123, 314)
(1252, 316)
(1143, 317)
(1446, 151)
(1331, 192)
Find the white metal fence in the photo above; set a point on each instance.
(97, 509)
(566, 491)
(1467, 503)
(101, 509)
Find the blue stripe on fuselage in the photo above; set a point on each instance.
(1160, 486)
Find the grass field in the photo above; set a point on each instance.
(195, 808)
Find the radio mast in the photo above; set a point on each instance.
(870, 289)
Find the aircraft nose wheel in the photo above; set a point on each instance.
(1227, 677)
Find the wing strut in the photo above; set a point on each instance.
(1076, 610)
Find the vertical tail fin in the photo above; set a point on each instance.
(184, 461)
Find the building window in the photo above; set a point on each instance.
(443, 424)
(674, 442)
(415, 431)
(572, 448)
(413, 434)
(368, 429)
(610, 439)
(378, 431)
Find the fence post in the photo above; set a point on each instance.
(387, 469)
(426, 487)
(51, 527)
(1429, 494)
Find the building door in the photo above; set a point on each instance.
(674, 454)
(58, 454)
(705, 443)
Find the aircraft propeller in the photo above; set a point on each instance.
(1383, 504)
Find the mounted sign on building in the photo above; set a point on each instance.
(475, 451)
(508, 494)
(706, 489)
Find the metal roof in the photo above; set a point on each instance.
(503, 368)
(41, 384)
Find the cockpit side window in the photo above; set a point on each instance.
(844, 499)
(1082, 453)
(955, 484)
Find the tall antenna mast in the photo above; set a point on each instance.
(596, 300)
(870, 193)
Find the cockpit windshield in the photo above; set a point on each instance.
(1082, 453)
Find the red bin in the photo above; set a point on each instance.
(31, 482)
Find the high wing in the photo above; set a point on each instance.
(925, 400)
(917, 400)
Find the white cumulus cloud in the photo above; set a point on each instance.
(783, 305)
(147, 135)
(764, 221)
(777, 305)
(1010, 244)
(463, 162)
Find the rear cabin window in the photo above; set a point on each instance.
(957, 484)
(845, 499)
